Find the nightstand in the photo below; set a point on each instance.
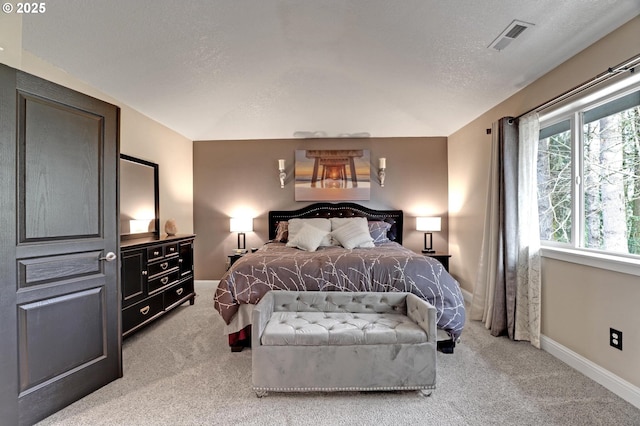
(233, 258)
(440, 257)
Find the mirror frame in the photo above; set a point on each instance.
(156, 197)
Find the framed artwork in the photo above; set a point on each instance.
(332, 175)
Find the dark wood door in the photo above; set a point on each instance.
(59, 322)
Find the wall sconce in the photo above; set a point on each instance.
(282, 175)
(381, 170)
(241, 225)
(428, 224)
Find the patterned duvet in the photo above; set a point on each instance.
(387, 267)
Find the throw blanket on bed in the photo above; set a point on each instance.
(386, 267)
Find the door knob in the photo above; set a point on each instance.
(110, 257)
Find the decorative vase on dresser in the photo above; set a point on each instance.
(157, 276)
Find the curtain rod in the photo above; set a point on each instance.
(628, 65)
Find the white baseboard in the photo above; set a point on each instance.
(615, 384)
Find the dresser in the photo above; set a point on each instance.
(156, 276)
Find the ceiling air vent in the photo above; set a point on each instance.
(509, 34)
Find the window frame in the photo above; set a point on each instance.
(574, 251)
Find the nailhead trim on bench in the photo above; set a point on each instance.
(378, 388)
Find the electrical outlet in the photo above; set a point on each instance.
(615, 338)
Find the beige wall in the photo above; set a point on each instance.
(581, 303)
(140, 136)
(578, 305)
(147, 139)
(234, 177)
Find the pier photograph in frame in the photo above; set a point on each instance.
(332, 175)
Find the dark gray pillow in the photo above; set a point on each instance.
(378, 231)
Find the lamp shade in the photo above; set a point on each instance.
(428, 224)
(241, 224)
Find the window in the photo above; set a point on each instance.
(589, 176)
(555, 202)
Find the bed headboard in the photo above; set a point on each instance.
(394, 217)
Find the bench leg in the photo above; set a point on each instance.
(261, 393)
(426, 392)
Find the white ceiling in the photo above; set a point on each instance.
(263, 69)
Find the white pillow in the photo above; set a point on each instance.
(337, 222)
(307, 238)
(295, 225)
(353, 233)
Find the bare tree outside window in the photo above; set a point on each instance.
(609, 180)
(554, 187)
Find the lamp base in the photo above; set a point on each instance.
(428, 243)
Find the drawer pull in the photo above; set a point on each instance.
(164, 265)
(145, 310)
(164, 280)
(172, 249)
(179, 291)
(156, 253)
(144, 272)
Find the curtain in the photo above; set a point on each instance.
(529, 281)
(507, 291)
(489, 265)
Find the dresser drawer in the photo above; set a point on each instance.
(155, 253)
(178, 292)
(162, 281)
(163, 266)
(141, 312)
(171, 250)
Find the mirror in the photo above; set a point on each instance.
(139, 199)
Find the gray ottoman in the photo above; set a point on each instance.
(335, 341)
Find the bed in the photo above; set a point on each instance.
(338, 260)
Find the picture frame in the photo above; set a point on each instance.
(332, 175)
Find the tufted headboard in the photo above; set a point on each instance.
(327, 210)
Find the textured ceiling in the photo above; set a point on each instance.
(246, 69)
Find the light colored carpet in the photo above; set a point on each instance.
(180, 371)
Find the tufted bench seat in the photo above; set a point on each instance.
(342, 341)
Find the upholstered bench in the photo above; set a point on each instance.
(342, 341)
